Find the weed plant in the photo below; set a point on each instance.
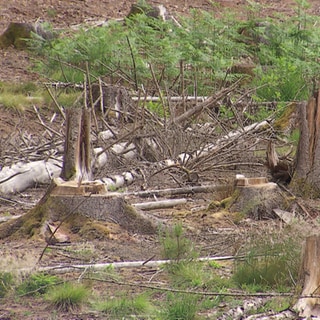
(175, 245)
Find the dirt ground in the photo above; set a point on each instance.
(213, 235)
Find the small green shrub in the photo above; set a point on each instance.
(6, 283)
(67, 297)
(36, 284)
(119, 308)
(175, 246)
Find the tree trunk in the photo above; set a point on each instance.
(310, 279)
(77, 147)
(306, 178)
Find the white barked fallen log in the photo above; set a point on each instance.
(22, 176)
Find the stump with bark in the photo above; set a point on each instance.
(74, 198)
(256, 198)
(306, 177)
(79, 208)
(310, 279)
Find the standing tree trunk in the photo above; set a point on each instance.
(306, 178)
(77, 147)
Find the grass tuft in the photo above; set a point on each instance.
(67, 297)
(122, 307)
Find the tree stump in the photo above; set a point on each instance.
(256, 198)
(77, 207)
(310, 279)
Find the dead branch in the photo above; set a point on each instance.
(177, 191)
(207, 103)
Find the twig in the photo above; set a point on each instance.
(56, 102)
(134, 64)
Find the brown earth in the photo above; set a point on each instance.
(213, 235)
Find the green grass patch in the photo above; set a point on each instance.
(180, 306)
(269, 264)
(6, 283)
(138, 306)
(67, 297)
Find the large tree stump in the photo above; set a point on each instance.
(79, 208)
(310, 279)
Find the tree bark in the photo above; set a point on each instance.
(77, 147)
(306, 178)
(310, 279)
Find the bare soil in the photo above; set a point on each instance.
(213, 235)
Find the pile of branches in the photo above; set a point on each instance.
(125, 134)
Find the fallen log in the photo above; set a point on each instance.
(22, 176)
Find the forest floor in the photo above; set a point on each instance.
(213, 235)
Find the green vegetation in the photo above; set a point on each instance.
(20, 96)
(271, 263)
(205, 50)
(67, 297)
(36, 284)
(180, 306)
(175, 246)
(6, 283)
(127, 306)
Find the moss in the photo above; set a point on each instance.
(237, 217)
(223, 204)
(283, 122)
(95, 230)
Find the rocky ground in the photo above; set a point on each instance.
(213, 235)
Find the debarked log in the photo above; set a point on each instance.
(168, 203)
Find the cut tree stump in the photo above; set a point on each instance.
(256, 198)
(91, 200)
(310, 279)
(80, 207)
